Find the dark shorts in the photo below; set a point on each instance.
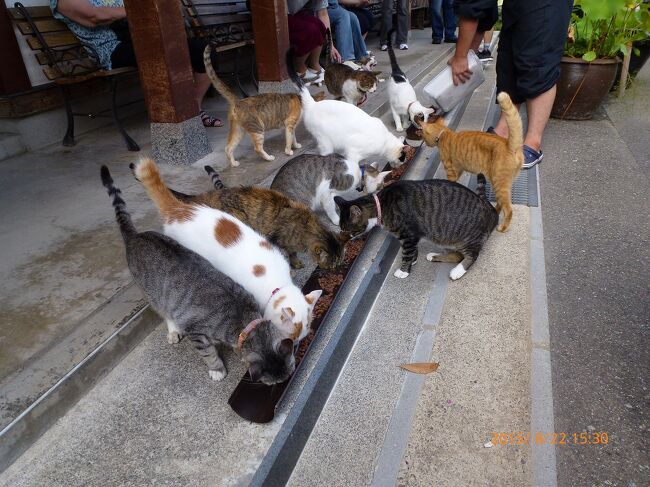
(486, 11)
(305, 32)
(530, 50)
(124, 54)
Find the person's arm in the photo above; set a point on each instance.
(83, 13)
(325, 19)
(460, 71)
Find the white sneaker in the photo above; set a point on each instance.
(403, 47)
(352, 64)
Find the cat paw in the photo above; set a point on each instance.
(401, 274)
(431, 256)
(288, 152)
(457, 272)
(269, 157)
(234, 163)
(217, 375)
(296, 145)
(173, 337)
(399, 129)
(502, 228)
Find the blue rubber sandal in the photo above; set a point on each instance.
(531, 157)
(490, 130)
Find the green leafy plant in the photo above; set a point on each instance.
(603, 28)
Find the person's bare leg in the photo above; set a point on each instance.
(538, 110)
(501, 128)
(300, 63)
(201, 85)
(487, 38)
(313, 59)
(476, 41)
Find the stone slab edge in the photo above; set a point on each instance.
(28, 427)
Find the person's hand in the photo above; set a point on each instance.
(460, 71)
(335, 55)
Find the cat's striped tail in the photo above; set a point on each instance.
(480, 186)
(305, 95)
(513, 120)
(214, 177)
(121, 214)
(219, 85)
(170, 207)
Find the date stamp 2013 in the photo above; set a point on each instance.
(540, 438)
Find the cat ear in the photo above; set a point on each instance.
(255, 371)
(383, 174)
(355, 214)
(375, 164)
(313, 296)
(287, 314)
(286, 347)
(340, 202)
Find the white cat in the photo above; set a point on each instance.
(403, 102)
(236, 250)
(346, 129)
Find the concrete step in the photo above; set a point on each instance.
(156, 397)
(10, 145)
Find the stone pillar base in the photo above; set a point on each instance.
(285, 86)
(179, 143)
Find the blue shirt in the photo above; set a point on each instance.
(101, 38)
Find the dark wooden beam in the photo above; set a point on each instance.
(271, 39)
(13, 75)
(160, 43)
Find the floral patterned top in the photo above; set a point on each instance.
(102, 39)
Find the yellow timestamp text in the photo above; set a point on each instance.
(541, 438)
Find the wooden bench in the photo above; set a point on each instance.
(67, 62)
(227, 25)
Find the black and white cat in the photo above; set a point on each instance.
(401, 95)
(346, 129)
(198, 301)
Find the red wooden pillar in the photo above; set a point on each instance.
(160, 42)
(271, 43)
(13, 76)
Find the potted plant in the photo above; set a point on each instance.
(599, 30)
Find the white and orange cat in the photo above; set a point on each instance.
(236, 250)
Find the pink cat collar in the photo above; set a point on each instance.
(247, 331)
(374, 195)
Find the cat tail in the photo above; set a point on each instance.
(396, 72)
(214, 177)
(480, 185)
(220, 86)
(169, 206)
(121, 214)
(305, 96)
(513, 120)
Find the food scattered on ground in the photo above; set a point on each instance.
(421, 367)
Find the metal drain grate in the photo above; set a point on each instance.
(524, 189)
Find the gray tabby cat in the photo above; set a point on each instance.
(448, 214)
(315, 180)
(198, 301)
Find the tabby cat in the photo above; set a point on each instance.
(315, 180)
(480, 152)
(236, 250)
(350, 84)
(285, 223)
(345, 128)
(257, 114)
(198, 301)
(403, 102)
(449, 214)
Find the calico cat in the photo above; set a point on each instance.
(446, 213)
(315, 180)
(198, 301)
(480, 152)
(236, 250)
(257, 114)
(401, 95)
(345, 128)
(285, 223)
(350, 84)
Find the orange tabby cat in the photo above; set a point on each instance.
(480, 152)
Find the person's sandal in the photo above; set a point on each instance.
(209, 121)
(531, 157)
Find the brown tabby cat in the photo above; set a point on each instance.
(480, 152)
(289, 225)
(257, 114)
(352, 85)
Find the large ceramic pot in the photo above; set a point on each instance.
(582, 87)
